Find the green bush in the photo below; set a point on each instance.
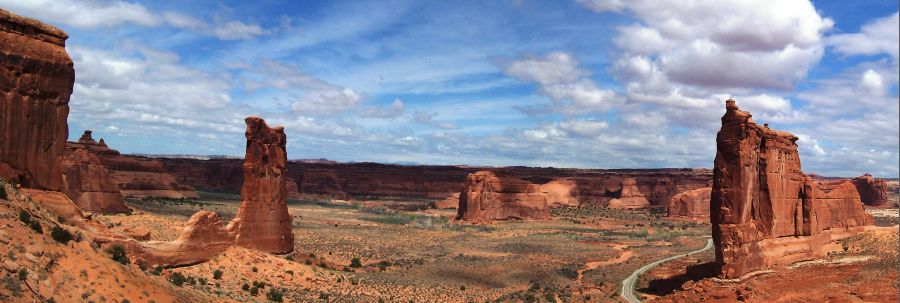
(60, 234)
(355, 263)
(23, 274)
(117, 253)
(177, 278)
(36, 226)
(24, 216)
(217, 274)
(274, 295)
(254, 291)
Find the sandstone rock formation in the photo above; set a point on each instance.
(560, 193)
(872, 191)
(764, 210)
(629, 196)
(87, 182)
(263, 221)
(489, 197)
(447, 203)
(692, 203)
(36, 80)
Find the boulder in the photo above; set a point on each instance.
(692, 203)
(873, 192)
(36, 80)
(263, 221)
(629, 196)
(487, 197)
(764, 211)
(87, 182)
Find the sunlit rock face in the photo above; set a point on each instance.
(692, 203)
(263, 221)
(36, 80)
(763, 209)
(488, 197)
(89, 185)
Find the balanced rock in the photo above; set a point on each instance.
(692, 203)
(87, 182)
(487, 197)
(36, 80)
(872, 191)
(764, 211)
(263, 221)
(629, 196)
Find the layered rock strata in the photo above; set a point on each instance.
(692, 203)
(629, 196)
(36, 80)
(87, 182)
(487, 197)
(764, 211)
(873, 192)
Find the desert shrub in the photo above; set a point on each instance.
(289, 257)
(202, 280)
(254, 269)
(355, 263)
(177, 278)
(3, 192)
(24, 216)
(254, 291)
(156, 271)
(60, 234)
(191, 280)
(258, 284)
(117, 253)
(23, 273)
(274, 295)
(245, 287)
(36, 227)
(569, 271)
(217, 274)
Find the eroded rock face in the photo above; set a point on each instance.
(872, 191)
(763, 209)
(692, 203)
(263, 221)
(87, 182)
(629, 196)
(489, 197)
(36, 79)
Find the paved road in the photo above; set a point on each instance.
(628, 283)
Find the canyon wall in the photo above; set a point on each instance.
(692, 203)
(87, 182)
(36, 80)
(873, 192)
(763, 209)
(488, 197)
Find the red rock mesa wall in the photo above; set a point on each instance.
(764, 210)
(87, 182)
(36, 79)
(263, 221)
(692, 203)
(488, 197)
(629, 196)
(872, 191)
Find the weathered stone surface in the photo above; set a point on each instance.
(489, 197)
(691, 203)
(761, 196)
(629, 196)
(263, 221)
(87, 182)
(36, 80)
(873, 192)
(447, 203)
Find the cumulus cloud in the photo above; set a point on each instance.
(308, 95)
(560, 78)
(395, 110)
(881, 36)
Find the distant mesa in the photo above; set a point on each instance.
(873, 192)
(764, 210)
(692, 203)
(488, 197)
(87, 182)
(629, 196)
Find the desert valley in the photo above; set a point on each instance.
(81, 221)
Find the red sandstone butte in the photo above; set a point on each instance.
(487, 197)
(629, 196)
(87, 182)
(872, 191)
(692, 203)
(764, 211)
(36, 80)
(263, 221)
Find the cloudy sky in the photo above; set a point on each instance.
(583, 83)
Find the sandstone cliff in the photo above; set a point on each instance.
(692, 203)
(36, 80)
(873, 192)
(763, 209)
(629, 196)
(87, 182)
(263, 221)
(487, 197)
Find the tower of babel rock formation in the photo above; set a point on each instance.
(263, 221)
(36, 79)
(764, 210)
(487, 197)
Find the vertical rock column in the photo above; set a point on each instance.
(36, 79)
(263, 221)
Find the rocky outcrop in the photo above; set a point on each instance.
(87, 182)
(487, 197)
(263, 221)
(763, 209)
(36, 80)
(873, 192)
(629, 196)
(560, 193)
(692, 203)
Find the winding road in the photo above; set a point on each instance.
(628, 283)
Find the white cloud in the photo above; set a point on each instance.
(881, 36)
(395, 110)
(308, 95)
(562, 80)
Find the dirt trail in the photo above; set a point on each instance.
(623, 256)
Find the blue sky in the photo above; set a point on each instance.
(584, 83)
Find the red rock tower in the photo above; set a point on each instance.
(36, 79)
(263, 221)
